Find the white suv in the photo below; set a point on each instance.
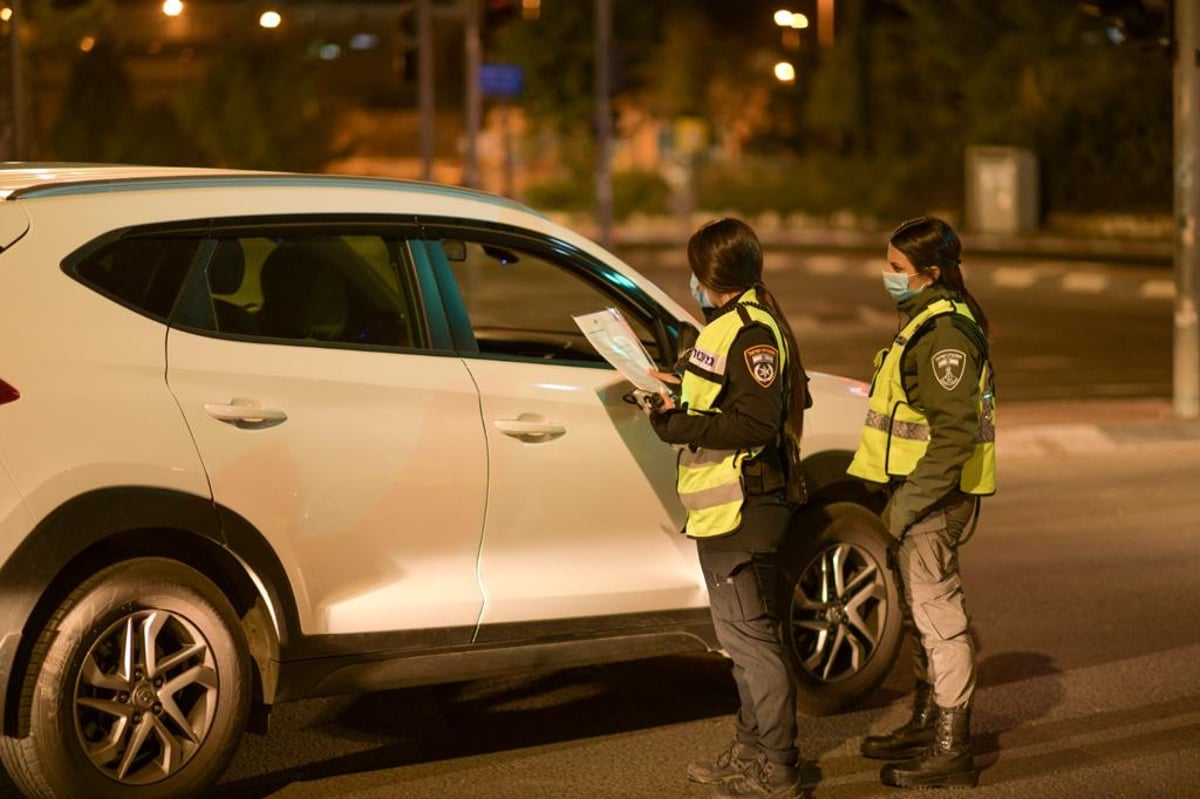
(268, 436)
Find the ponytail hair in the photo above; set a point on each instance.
(928, 242)
(796, 388)
(726, 256)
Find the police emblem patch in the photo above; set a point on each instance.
(763, 362)
(948, 367)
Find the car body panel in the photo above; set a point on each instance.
(13, 224)
(94, 409)
(835, 419)
(15, 518)
(371, 491)
(585, 523)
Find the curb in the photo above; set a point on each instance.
(1155, 252)
(1035, 429)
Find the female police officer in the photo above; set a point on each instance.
(930, 435)
(737, 426)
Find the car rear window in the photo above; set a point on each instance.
(144, 273)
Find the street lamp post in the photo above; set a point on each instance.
(604, 189)
(474, 96)
(17, 84)
(1187, 208)
(425, 97)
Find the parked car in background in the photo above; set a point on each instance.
(273, 436)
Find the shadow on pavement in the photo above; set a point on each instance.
(1038, 698)
(436, 723)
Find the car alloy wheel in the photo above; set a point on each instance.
(139, 687)
(146, 696)
(839, 612)
(840, 622)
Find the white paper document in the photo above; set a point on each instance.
(613, 338)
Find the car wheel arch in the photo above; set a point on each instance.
(107, 526)
(828, 482)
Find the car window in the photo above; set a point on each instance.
(521, 303)
(341, 288)
(144, 272)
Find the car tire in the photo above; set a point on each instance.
(840, 616)
(113, 718)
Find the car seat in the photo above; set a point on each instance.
(303, 293)
(225, 273)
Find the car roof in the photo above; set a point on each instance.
(23, 180)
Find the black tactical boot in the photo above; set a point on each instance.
(730, 762)
(762, 779)
(946, 763)
(912, 738)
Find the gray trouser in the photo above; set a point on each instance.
(748, 632)
(933, 603)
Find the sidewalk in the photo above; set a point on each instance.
(1050, 427)
(776, 233)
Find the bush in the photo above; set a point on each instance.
(826, 185)
(634, 191)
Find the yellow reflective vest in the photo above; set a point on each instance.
(895, 434)
(709, 481)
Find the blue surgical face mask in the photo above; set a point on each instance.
(896, 284)
(699, 293)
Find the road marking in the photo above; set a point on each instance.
(1158, 290)
(872, 316)
(1014, 277)
(1030, 362)
(1052, 439)
(826, 264)
(1085, 282)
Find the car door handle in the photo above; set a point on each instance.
(531, 430)
(245, 413)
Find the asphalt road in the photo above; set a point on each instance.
(1084, 583)
(1060, 329)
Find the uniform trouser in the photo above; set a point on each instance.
(749, 634)
(933, 603)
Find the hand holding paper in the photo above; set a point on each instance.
(614, 339)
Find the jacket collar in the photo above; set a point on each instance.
(713, 313)
(929, 295)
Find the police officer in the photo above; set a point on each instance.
(739, 418)
(929, 435)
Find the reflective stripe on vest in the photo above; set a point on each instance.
(709, 481)
(895, 435)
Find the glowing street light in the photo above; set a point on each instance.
(270, 19)
(790, 19)
(785, 72)
(172, 8)
(5, 14)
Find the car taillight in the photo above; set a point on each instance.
(8, 393)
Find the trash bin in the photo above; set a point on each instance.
(1002, 190)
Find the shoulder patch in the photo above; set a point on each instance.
(763, 362)
(949, 367)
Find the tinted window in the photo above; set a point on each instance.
(145, 273)
(521, 303)
(347, 288)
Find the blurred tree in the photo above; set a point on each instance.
(1062, 80)
(260, 106)
(908, 91)
(58, 25)
(557, 51)
(52, 33)
(99, 96)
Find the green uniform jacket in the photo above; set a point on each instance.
(953, 415)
